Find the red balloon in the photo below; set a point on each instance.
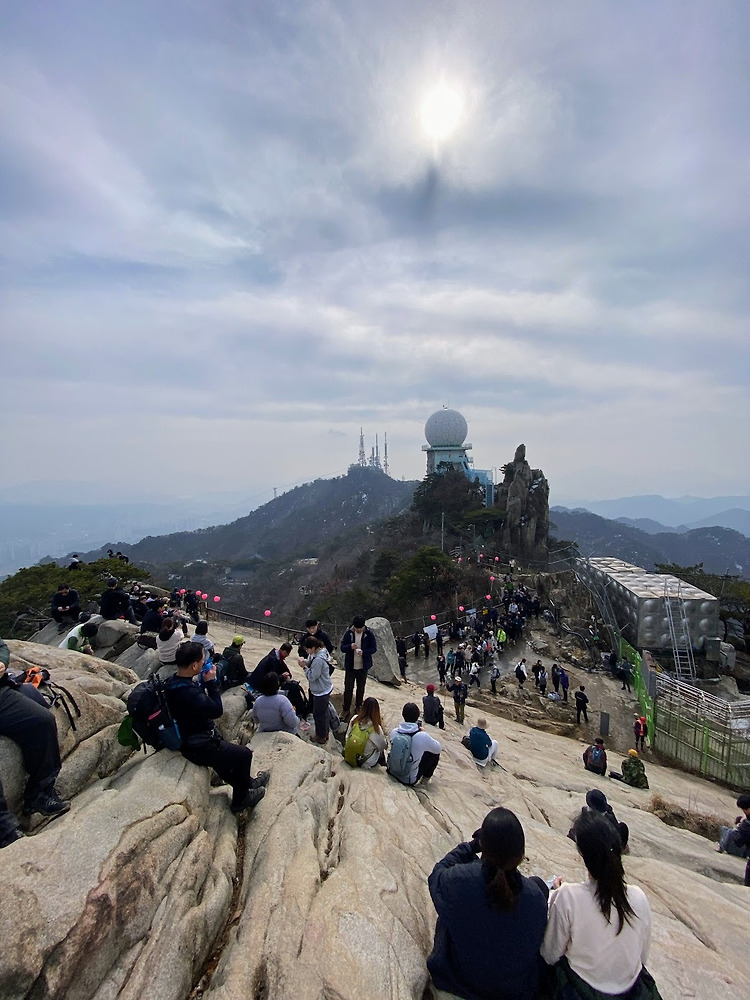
(433, 618)
(216, 600)
(182, 591)
(488, 596)
(460, 607)
(267, 614)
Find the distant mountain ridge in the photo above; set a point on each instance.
(680, 512)
(721, 550)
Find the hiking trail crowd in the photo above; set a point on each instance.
(568, 941)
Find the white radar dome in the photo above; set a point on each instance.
(446, 429)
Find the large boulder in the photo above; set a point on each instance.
(385, 661)
(523, 497)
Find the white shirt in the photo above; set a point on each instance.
(421, 743)
(577, 928)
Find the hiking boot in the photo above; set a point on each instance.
(261, 779)
(252, 798)
(323, 742)
(48, 804)
(11, 838)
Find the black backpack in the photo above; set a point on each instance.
(151, 718)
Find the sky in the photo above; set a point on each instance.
(233, 233)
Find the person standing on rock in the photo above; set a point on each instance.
(582, 700)
(599, 931)
(318, 674)
(536, 670)
(313, 628)
(358, 646)
(541, 682)
(401, 654)
(417, 640)
(555, 675)
(564, 682)
(460, 692)
(490, 918)
(520, 672)
(640, 732)
(34, 730)
(194, 708)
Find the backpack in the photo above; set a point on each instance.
(151, 719)
(596, 757)
(356, 741)
(400, 757)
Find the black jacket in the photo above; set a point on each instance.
(269, 664)
(113, 603)
(481, 952)
(320, 634)
(194, 709)
(69, 600)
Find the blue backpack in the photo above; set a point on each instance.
(400, 758)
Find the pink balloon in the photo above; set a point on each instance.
(216, 600)
(204, 596)
(481, 555)
(460, 607)
(459, 558)
(433, 618)
(497, 558)
(182, 591)
(488, 596)
(267, 614)
(492, 579)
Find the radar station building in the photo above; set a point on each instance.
(446, 431)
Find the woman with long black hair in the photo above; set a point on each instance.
(599, 931)
(491, 919)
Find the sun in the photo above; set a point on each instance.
(441, 111)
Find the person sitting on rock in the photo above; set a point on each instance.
(234, 671)
(460, 693)
(601, 927)
(365, 741)
(65, 606)
(168, 641)
(358, 646)
(482, 900)
(34, 729)
(115, 603)
(633, 771)
(194, 708)
(736, 840)
(484, 750)
(140, 606)
(75, 562)
(201, 636)
(273, 661)
(596, 800)
(273, 711)
(313, 628)
(80, 639)
(432, 709)
(595, 757)
(424, 751)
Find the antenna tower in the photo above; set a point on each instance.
(362, 458)
(385, 454)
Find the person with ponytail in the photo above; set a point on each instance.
(599, 931)
(490, 918)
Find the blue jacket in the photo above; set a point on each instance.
(481, 952)
(479, 742)
(368, 646)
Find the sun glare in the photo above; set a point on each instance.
(441, 112)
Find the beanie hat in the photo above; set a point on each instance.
(597, 800)
(239, 640)
(430, 689)
(633, 753)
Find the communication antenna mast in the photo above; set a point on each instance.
(385, 453)
(362, 457)
(377, 453)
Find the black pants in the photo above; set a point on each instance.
(320, 714)
(63, 616)
(427, 764)
(402, 666)
(34, 729)
(230, 761)
(350, 675)
(581, 711)
(565, 694)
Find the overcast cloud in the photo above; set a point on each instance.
(228, 243)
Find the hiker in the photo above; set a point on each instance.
(627, 675)
(273, 711)
(414, 754)
(450, 661)
(358, 645)
(80, 638)
(426, 645)
(474, 675)
(401, 654)
(736, 840)
(75, 562)
(34, 729)
(233, 672)
(582, 700)
(490, 918)
(201, 636)
(633, 771)
(65, 606)
(564, 682)
(520, 672)
(640, 732)
(595, 757)
(192, 604)
(272, 662)
(365, 741)
(115, 603)
(432, 709)
(318, 674)
(153, 617)
(459, 691)
(598, 931)
(442, 668)
(536, 671)
(140, 605)
(542, 682)
(494, 676)
(483, 749)
(555, 675)
(502, 638)
(597, 801)
(313, 628)
(417, 640)
(194, 708)
(167, 641)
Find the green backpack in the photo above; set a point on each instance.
(356, 741)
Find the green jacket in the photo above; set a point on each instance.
(634, 773)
